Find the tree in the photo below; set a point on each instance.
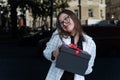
(22, 3)
(42, 8)
(61, 4)
(4, 10)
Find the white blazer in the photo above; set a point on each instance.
(55, 73)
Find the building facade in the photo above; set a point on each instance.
(89, 11)
(113, 10)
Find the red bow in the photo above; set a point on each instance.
(75, 47)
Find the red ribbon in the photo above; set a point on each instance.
(75, 47)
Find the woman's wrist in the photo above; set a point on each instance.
(53, 57)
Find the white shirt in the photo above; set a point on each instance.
(55, 73)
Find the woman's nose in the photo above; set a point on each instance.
(65, 23)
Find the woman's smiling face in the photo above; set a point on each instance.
(66, 23)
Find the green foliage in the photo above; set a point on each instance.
(40, 7)
(61, 4)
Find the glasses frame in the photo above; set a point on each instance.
(66, 21)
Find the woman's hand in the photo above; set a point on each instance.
(56, 53)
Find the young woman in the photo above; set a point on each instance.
(68, 31)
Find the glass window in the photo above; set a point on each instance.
(90, 12)
(76, 12)
(101, 13)
(101, 1)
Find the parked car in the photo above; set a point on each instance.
(104, 23)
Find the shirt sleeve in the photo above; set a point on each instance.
(51, 45)
(92, 48)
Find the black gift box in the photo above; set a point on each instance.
(69, 60)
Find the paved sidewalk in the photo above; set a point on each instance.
(21, 63)
(106, 69)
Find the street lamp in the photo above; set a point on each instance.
(79, 6)
(51, 14)
(112, 18)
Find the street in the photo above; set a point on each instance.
(26, 63)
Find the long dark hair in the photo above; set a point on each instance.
(73, 16)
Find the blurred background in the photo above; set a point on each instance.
(27, 25)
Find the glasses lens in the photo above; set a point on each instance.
(59, 24)
(66, 20)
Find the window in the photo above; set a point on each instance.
(101, 13)
(76, 12)
(101, 1)
(90, 12)
(90, 0)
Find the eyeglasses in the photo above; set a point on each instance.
(66, 21)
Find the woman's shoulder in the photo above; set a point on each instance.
(87, 37)
(55, 36)
(55, 33)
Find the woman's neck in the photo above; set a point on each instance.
(73, 33)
